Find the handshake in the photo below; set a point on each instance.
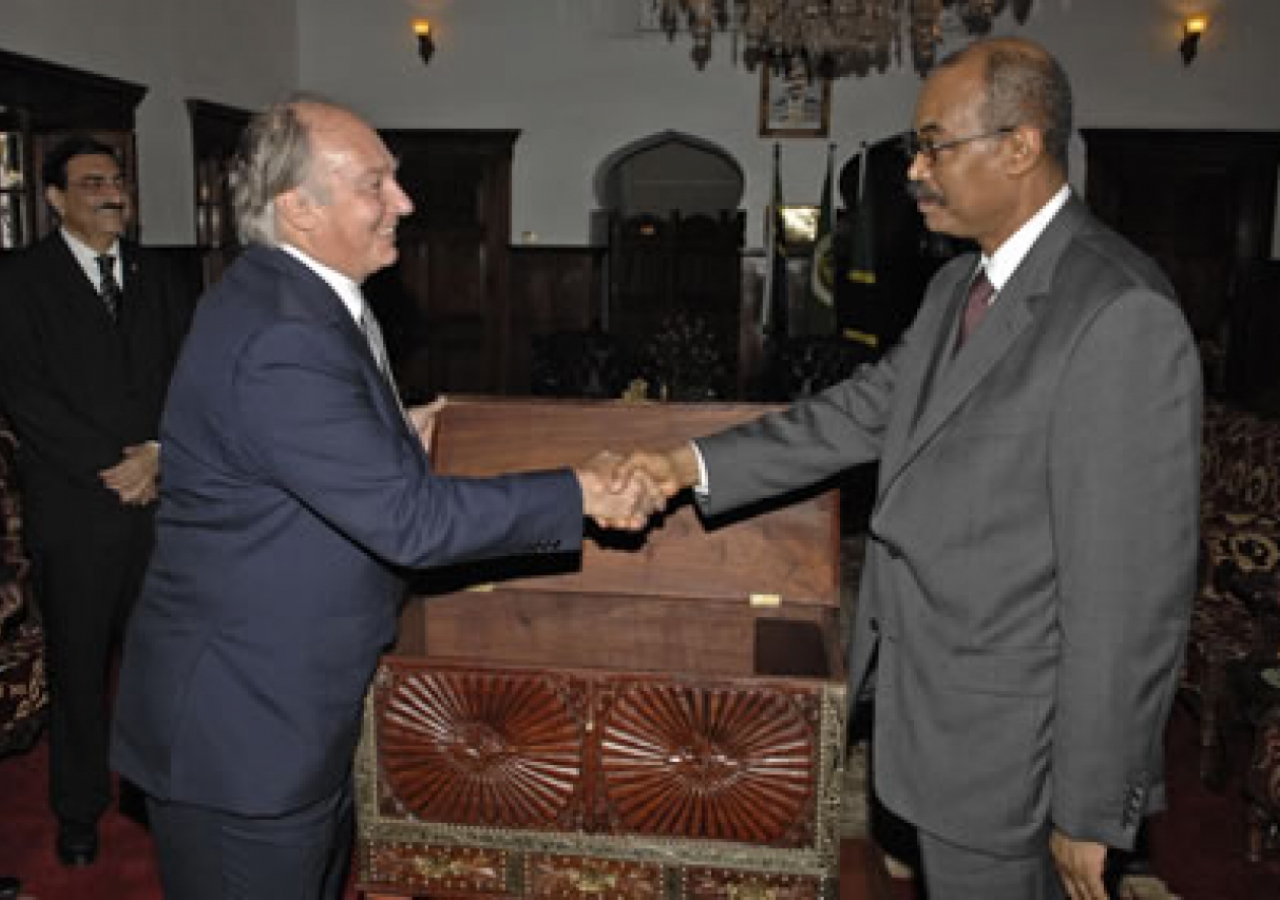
(622, 492)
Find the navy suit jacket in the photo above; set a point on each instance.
(293, 495)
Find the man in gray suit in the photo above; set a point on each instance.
(1033, 545)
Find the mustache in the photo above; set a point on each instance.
(918, 191)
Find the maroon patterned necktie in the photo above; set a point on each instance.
(976, 306)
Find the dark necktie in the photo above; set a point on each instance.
(977, 304)
(109, 290)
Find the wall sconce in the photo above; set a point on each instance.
(1192, 28)
(426, 46)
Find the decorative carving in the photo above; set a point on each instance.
(559, 877)
(714, 884)
(801, 866)
(480, 748)
(442, 868)
(711, 763)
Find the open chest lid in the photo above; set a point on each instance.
(786, 553)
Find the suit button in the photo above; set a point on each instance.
(874, 625)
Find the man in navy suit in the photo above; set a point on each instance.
(90, 326)
(296, 491)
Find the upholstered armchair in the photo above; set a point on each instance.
(1239, 563)
(22, 686)
(1262, 786)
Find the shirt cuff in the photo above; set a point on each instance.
(702, 489)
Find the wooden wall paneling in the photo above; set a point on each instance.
(1202, 203)
(1253, 376)
(553, 289)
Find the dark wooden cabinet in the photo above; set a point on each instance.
(40, 104)
(555, 291)
(215, 137)
(1202, 203)
(444, 306)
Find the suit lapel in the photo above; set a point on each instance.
(946, 383)
(318, 300)
(920, 370)
(82, 300)
(75, 284)
(140, 291)
(136, 286)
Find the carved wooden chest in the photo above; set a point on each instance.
(662, 717)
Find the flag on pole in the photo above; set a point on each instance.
(820, 310)
(857, 321)
(773, 309)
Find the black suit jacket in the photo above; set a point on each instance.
(78, 387)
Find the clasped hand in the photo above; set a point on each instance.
(135, 479)
(623, 492)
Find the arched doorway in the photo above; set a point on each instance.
(674, 264)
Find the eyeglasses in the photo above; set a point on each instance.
(96, 184)
(914, 144)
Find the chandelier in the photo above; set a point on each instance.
(831, 37)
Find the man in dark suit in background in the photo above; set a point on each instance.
(296, 491)
(90, 326)
(1033, 545)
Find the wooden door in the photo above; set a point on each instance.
(444, 305)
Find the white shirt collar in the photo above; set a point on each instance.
(88, 259)
(343, 286)
(1004, 262)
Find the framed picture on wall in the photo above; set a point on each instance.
(792, 104)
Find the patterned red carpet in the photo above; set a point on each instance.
(1196, 848)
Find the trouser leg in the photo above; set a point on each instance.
(209, 854)
(953, 872)
(85, 593)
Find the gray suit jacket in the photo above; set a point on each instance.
(1033, 545)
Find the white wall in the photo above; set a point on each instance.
(237, 52)
(580, 82)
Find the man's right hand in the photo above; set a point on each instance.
(671, 470)
(617, 499)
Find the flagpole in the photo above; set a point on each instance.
(862, 169)
(771, 240)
